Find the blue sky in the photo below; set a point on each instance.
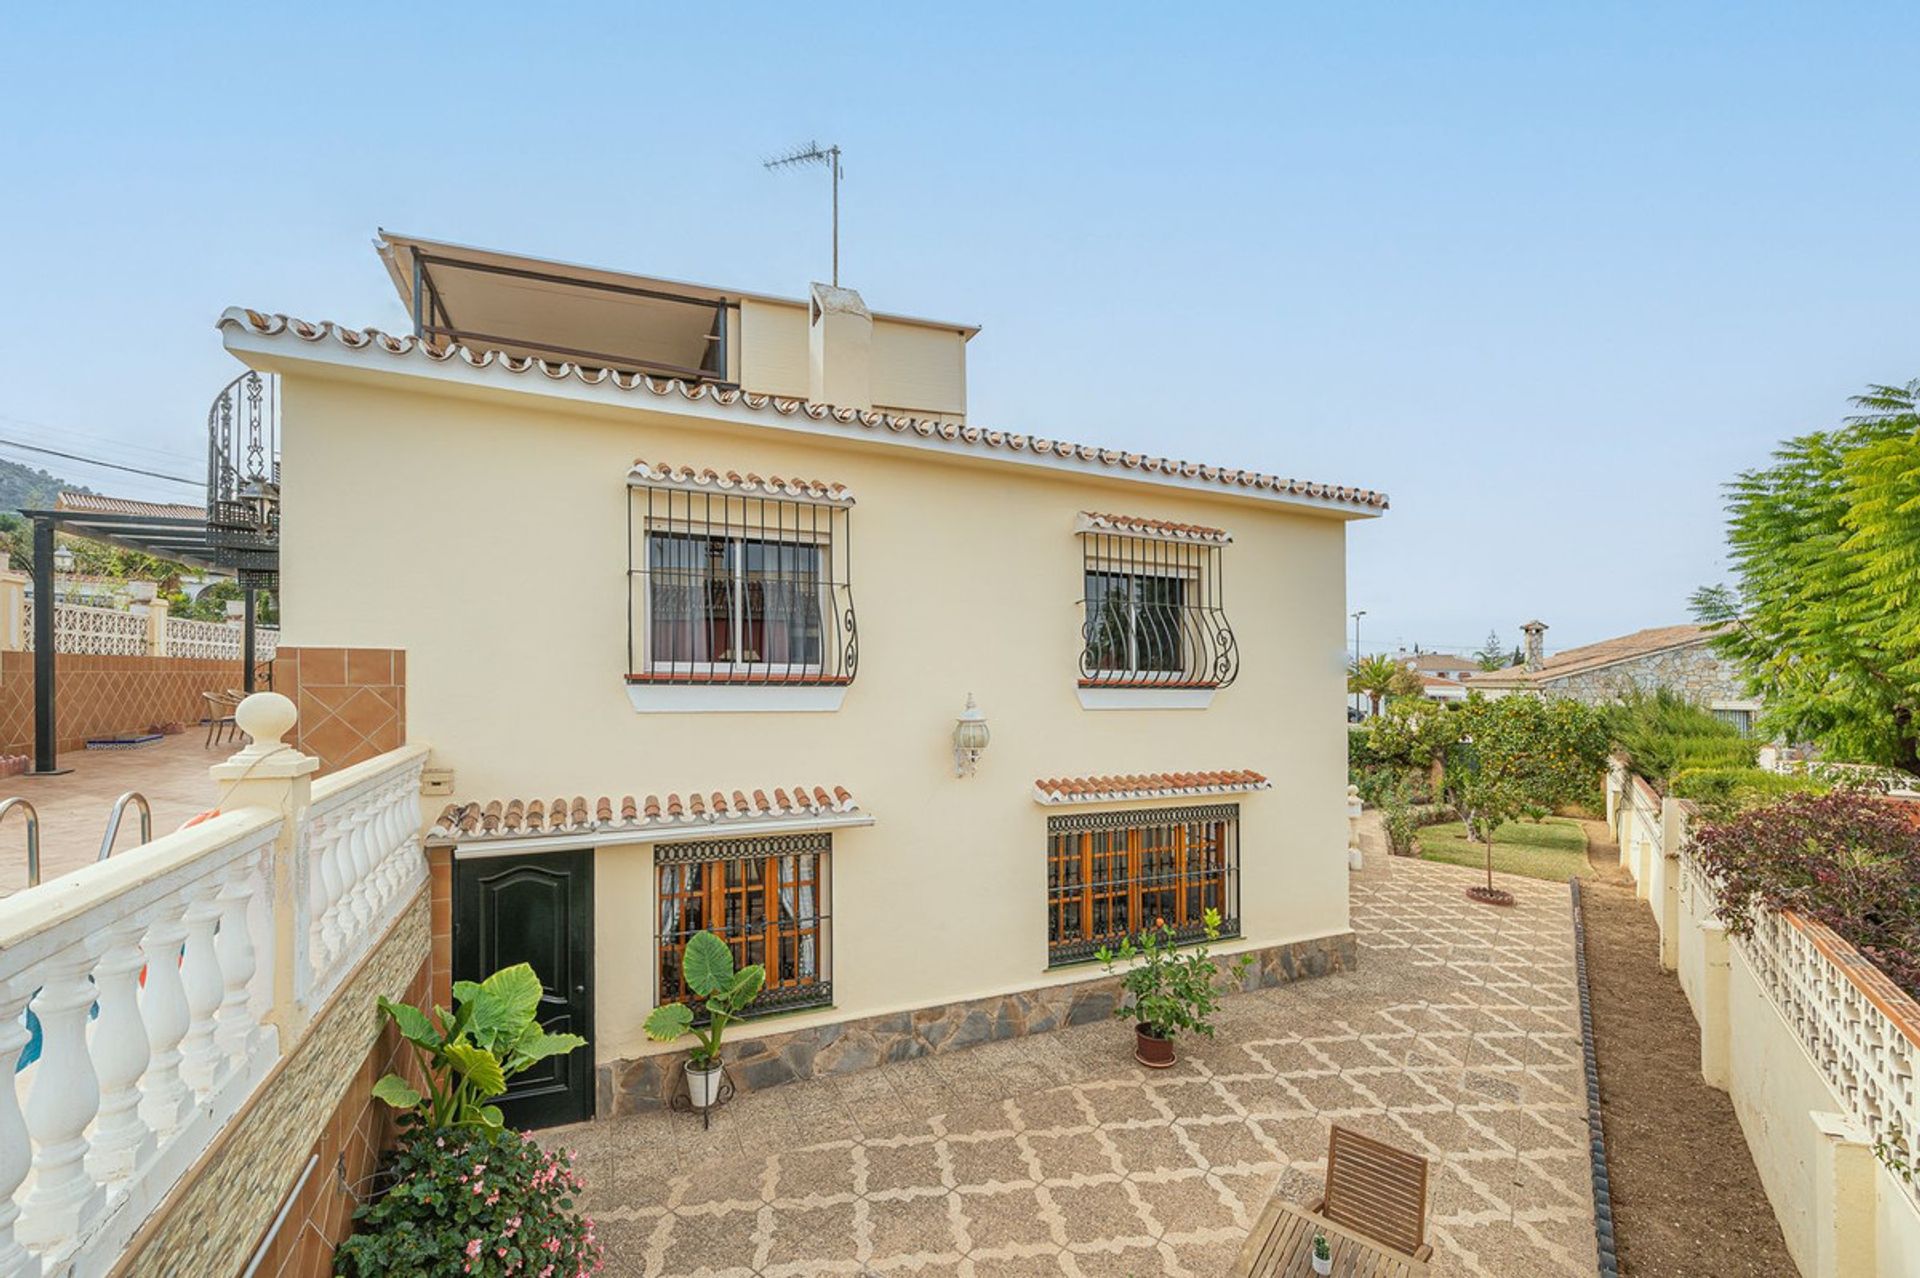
(1546, 274)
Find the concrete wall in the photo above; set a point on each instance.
(917, 369)
(107, 696)
(1843, 1214)
(487, 536)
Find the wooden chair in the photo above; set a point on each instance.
(1377, 1191)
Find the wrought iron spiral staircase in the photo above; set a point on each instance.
(243, 479)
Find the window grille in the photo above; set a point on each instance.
(768, 898)
(1153, 614)
(1114, 874)
(730, 588)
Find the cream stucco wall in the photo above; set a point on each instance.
(917, 368)
(487, 536)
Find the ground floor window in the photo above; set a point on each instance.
(1113, 874)
(767, 898)
(1740, 720)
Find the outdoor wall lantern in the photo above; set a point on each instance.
(970, 737)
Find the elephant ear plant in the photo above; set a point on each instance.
(724, 993)
(469, 1055)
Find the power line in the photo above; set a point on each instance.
(95, 461)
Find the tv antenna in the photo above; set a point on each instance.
(814, 153)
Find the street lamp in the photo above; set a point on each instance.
(1356, 649)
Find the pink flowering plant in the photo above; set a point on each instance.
(472, 1200)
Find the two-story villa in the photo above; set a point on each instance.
(719, 613)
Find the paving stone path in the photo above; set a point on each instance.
(1457, 1037)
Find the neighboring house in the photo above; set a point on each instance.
(1436, 688)
(609, 521)
(1679, 658)
(1441, 665)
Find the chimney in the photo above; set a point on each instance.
(839, 349)
(1536, 633)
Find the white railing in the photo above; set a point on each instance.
(217, 640)
(87, 631)
(112, 1118)
(359, 862)
(142, 994)
(1861, 1031)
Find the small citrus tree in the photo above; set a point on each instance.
(1518, 755)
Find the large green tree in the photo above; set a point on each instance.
(1823, 614)
(1518, 755)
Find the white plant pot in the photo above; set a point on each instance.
(1353, 858)
(1323, 1266)
(703, 1085)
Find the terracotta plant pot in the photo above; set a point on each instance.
(1154, 1053)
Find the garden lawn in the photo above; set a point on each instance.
(1555, 848)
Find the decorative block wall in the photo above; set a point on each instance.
(352, 701)
(97, 696)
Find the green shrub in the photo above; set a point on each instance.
(1400, 822)
(471, 1200)
(1722, 792)
(1662, 733)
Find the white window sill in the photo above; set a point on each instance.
(1120, 698)
(720, 698)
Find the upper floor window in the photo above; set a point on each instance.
(1152, 605)
(739, 580)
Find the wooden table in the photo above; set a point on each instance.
(1281, 1246)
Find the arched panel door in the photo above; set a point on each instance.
(535, 909)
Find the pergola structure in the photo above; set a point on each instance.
(164, 530)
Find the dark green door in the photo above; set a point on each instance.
(535, 909)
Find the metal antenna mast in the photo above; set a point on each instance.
(814, 153)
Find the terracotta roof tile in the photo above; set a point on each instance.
(1100, 521)
(516, 818)
(647, 474)
(874, 421)
(1147, 785)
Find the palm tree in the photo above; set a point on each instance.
(1379, 677)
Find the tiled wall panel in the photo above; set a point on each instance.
(352, 701)
(107, 696)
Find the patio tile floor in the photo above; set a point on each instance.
(1057, 1155)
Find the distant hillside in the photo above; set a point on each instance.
(24, 488)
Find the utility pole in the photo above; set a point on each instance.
(814, 153)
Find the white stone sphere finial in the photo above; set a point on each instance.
(266, 717)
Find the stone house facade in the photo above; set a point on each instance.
(1678, 658)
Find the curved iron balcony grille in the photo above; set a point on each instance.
(243, 478)
(1153, 614)
(729, 589)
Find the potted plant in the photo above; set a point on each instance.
(724, 993)
(466, 1057)
(1322, 1253)
(1170, 990)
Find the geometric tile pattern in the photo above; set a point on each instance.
(99, 696)
(1456, 1037)
(352, 702)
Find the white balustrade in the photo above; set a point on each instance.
(363, 862)
(151, 977)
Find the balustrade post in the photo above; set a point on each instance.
(201, 1064)
(1844, 1176)
(166, 1101)
(233, 1023)
(16, 1156)
(270, 774)
(121, 1050)
(64, 1100)
(323, 845)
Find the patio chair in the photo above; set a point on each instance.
(1377, 1191)
(220, 720)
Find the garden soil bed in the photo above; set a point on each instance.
(1687, 1200)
